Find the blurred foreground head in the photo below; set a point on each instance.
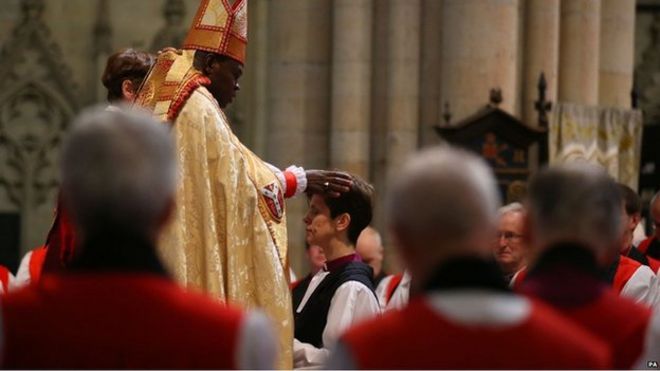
(443, 204)
(575, 203)
(118, 173)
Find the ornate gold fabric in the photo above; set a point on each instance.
(220, 26)
(228, 236)
(169, 84)
(609, 137)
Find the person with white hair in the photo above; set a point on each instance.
(442, 210)
(574, 230)
(116, 306)
(509, 248)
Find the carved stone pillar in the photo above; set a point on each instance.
(351, 85)
(617, 42)
(579, 51)
(38, 100)
(479, 52)
(541, 53)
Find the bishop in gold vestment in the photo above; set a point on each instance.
(228, 236)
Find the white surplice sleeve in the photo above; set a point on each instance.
(642, 286)
(352, 303)
(401, 295)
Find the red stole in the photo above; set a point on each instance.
(626, 268)
(518, 279)
(391, 287)
(4, 279)
(643, 248)
(36, 263)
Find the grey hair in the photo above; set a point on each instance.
(514, 207)
(576, 203)
(118, 170)
(442, 196)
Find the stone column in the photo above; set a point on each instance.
(351, 85)
(541, 53)
(579, 51)
(479, 52)
(617, 42)
(402, 109)
(255, 85)
(298, 98)
(430, 55)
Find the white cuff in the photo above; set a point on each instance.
(301, 178)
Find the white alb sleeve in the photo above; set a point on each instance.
(352, 303)
(642, 286)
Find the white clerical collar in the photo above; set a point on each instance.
(481, 307)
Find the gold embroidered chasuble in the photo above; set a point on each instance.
(228, 236)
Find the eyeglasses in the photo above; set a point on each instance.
(508, 236)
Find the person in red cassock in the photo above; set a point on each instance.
(575, 226)
(442, 210)
(115, 306)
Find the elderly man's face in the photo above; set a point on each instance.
(510, 247)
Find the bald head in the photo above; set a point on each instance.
(370, 247)
(443, 203)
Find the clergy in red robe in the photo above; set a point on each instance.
(575, 228)
(115, 306)
(442, 209)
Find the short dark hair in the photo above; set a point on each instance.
(357, 202)
(127, 64)
(631, 199)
